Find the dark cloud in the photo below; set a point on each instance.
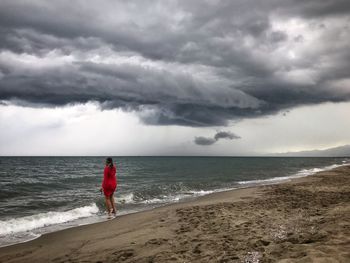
(314, 8)
(190, 63)
(226, 135)
(204, 141)
(219, 135)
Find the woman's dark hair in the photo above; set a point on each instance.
(109, 161)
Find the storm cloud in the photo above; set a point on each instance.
(190, 63)
(226, 135)
(204, 141)
(219, 135)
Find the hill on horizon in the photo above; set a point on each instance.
(340, 151)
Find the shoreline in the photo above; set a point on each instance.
(160, 233)
(183, 202)
(33, 226)
(240, 185)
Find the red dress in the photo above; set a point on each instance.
(109, 183)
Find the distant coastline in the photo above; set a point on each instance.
(340, 151)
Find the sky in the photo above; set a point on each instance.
(173, 77)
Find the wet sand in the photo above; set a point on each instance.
(305, 220)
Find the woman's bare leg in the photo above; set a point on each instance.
(113, 204)
(108, 204)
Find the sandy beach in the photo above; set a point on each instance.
(304, 220)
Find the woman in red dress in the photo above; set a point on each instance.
(109, 184)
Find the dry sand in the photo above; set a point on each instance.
(306, 220)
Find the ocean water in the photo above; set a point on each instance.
(45, 194)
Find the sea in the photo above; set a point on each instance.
(39, 195)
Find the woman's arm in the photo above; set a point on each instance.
(105, 175)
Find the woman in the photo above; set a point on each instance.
(109, 184)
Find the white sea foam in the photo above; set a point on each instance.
(130, 197)
(301, 173)
(32, 222)
(125, 199)
(163, 199)
(180, 196)
(171, 198)
(203, 192)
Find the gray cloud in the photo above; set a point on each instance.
(219, 135)
(185, 63)
(226, 135)
(204, 141)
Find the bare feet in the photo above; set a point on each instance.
(114, 212)
(111, 212)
